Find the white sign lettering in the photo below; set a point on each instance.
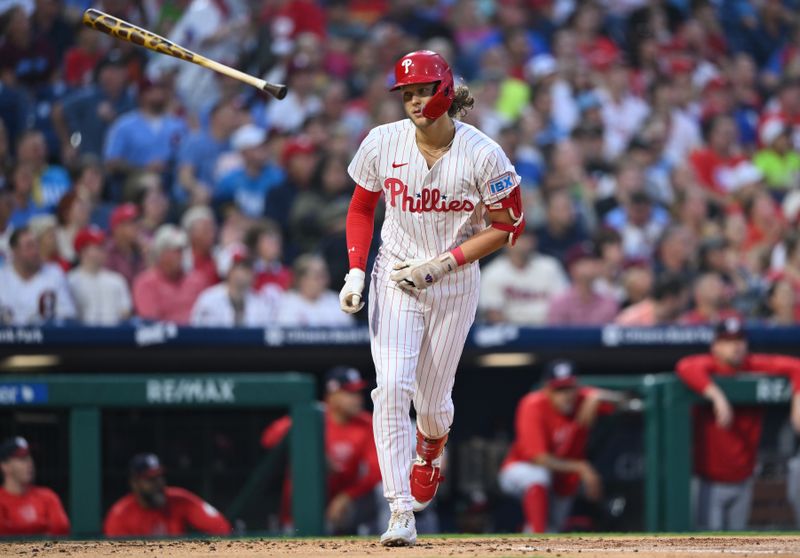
(175, 390)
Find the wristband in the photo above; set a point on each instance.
(458, 254)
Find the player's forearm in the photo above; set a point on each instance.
(483, 244)
(713, 392)
(558, 465)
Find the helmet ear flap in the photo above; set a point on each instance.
(442, 99)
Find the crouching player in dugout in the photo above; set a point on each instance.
(726, 441)
(547, 465)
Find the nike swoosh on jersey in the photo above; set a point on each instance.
(398, 165)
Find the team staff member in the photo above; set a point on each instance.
(726, 442)
(546, 465)
(153, 509)
(440, 179)
(353, 471)
(26, 509)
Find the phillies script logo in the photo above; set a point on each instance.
(430, 199)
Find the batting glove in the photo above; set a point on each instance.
(421, 274)
(350, 295)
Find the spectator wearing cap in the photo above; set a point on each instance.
(199, 154)
(711, 301)
(201, 232)
(265, 242)
(147, 138)
(311, 303)
(101, 296)
(299, 159)
(517, 285)
(153, 509)
(581, 304)
(561, 229)
(234, 302)
(123, 253)
(51, 182)
(726, 441)
(82, 119)
(777, 158)
(666, 303)
(26, 509)
(353, 472)
(249, 186)
(546, 466)
(164, 292)
(32, 292)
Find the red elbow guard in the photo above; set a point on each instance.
(513, 203)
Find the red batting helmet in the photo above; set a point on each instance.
(425, 66)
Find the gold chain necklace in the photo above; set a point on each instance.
(439, 151)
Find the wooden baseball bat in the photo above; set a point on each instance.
(125, 31)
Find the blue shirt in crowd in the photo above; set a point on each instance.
(139, 140)
(81, 113)
(200, 150)
(249, 192)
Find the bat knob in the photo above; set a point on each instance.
(281, 92)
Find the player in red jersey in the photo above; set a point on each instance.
(353, 472)
(26, 509)
(726, 442)
(153, 509)
(547, 465)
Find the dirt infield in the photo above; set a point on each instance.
(495, 547)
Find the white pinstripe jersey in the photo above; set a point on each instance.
(431, 211)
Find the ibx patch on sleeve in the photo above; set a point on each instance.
(501, 183)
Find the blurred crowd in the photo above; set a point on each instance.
(656, 140)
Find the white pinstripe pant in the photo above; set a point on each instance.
(416, 341)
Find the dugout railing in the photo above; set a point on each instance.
(85, 396)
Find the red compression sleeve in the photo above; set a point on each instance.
(360, 221)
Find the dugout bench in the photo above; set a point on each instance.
(84, 396)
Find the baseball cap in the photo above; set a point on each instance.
(123, 213)
(248, 136)
(89, 236)
(540, 66)
(578, 252)
(14, 447)
(232, 255)
(297, 146)
(168, 237)
(146, 465)
(560, 374)
(344, 377)
(729, 329)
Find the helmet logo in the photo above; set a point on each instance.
(406, 64)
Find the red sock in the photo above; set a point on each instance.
(534, 504)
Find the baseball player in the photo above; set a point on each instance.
(353, 472)
(547, 465)
(440, 179)
(153, 509)
(26, 509)
(726, 442)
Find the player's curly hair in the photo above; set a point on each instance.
(462, 103)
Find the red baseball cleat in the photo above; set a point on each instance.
(426, 473)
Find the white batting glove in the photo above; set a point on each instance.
(350, 295)
(421, 274)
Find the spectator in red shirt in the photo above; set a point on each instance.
(547, 465)
(353, 473)
(715, 164)
(26, 509)
(124, 254)
(153, 509)
(710, 302)
(164, 291)
(265, 242)
(201, 230)
(726, 442)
